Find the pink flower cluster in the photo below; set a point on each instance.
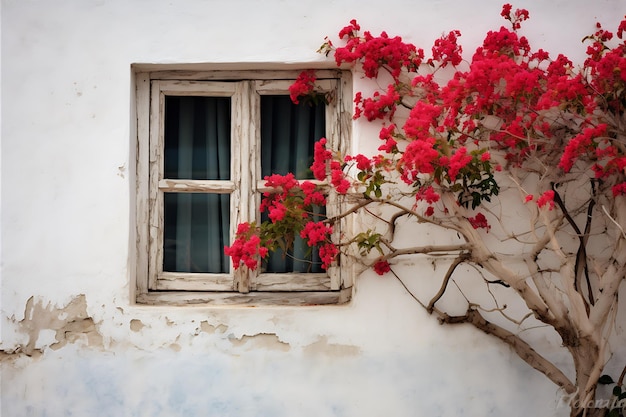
(428, 194)
(458, 161)
(323, 159)
(518, 16)
(246, 248)
(376, 52)
(546, 199)
(379, 106)
(316, 233)
(304, 85)
(319, 234)
(275, 202)
(382, 267)
(581, 144)
(479, 222)
(446, 50)
(418, 158)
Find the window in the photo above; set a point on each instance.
(206, 140)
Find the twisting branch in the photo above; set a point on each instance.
(446, 279)
(521, 348)
(580, 266)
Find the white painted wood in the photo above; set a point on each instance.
(242, 126)
(196, 186)
(186, 281)
(245, 185)
(142, 100)
(292, 282)
(276, 87)
(222, 73)
(157, 107)
(251, 299)
(197, 88)
(262, 188)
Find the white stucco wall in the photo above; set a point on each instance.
(66, 203)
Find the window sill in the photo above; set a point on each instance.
(251, 299)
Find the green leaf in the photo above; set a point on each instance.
(605, 380)
(617, 391)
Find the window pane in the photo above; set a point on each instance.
(197, 138)
(196, 229)
(301, 257)
(288, 133)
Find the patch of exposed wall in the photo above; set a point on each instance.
(47, 326)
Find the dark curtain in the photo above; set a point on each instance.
(197, 146)
(288, 134)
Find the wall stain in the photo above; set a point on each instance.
(322, 347)
(70, 324)
(210, 329)
(136, 325)
(260, 341)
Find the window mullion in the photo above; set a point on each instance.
(244, 127)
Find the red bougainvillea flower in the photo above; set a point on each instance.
(312, 194)
(328, 252)
(304, 85)
(479, 222)
(619, 189)
(418, 158)
(321, 156)
(547, 198)
(316, 232)
(246, 248)
(339, 181)
(382, 267)
(458, 161)
(427, 194)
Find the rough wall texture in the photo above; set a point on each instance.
(72, 342)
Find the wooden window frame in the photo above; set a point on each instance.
(241, 286)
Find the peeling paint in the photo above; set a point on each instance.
(210, 329)
(269, 341)
(48, 326)
(136, 325)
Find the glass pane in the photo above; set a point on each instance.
(288, 133)
(197, 138)
(300, 258)
(196, 229)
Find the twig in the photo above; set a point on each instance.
(614, 221)
(446, 279)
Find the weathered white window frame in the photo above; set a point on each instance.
(245, 87)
